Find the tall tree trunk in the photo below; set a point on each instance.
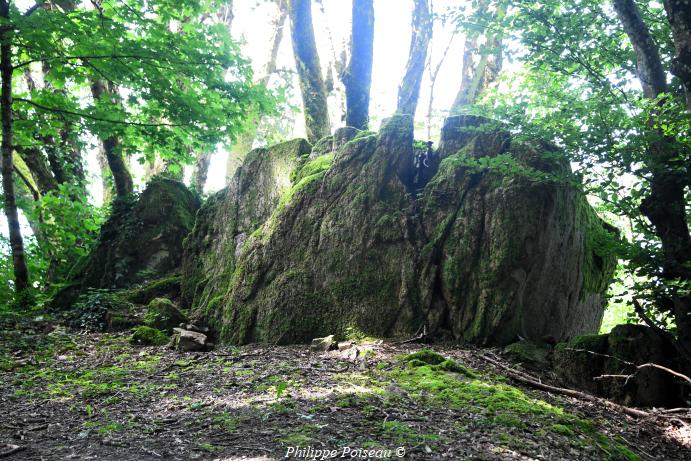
(201, 171)
(243, 144)
(467, 71)
(481, 65)
(357, 77)
(665, 204)
(409, 89)
(679, 15)
(64, 159)
(309, 70)
(112, 147)
(107, 187)
(276, 39)
(21, 272)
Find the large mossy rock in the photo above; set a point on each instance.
(582, 361)
(228, 218)
(141, 242)
(490, 242)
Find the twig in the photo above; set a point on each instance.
(417, 337)
(665, 334)
(93, 117)
(600, 354)
(527, 379)
(329, 370)
(12, 450)
(150, 452)
(647, 365)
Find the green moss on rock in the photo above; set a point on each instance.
(290, 252)
(425, 356)
(168, 287)
(148, 336)
(163, 314)
(141, 242)
(536, 354)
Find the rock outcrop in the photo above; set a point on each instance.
(484, 240)
(229, 217)
(582, 362)
(141, 242)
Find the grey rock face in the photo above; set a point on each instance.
(493, 240)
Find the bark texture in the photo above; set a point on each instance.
(306, 245)
(312, 86)
(679, 15)
(21, 272)
(40, 170)
(409, 89)
(357, 77)
(201, 171)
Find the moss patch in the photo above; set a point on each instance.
(148, 336)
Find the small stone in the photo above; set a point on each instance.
(322, 344)
(197, 328)
(344, 345)
(190, 341)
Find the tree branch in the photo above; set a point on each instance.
(532, 381)
(665, 334)
(104, 56)
(647, 365)
(93, 117)
(33, 9)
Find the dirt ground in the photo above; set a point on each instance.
(94, 396)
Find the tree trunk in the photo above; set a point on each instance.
(243, 144)
(665, 204)
(201, 171)
(679, 15)
(276, 39)
(112, 148)
(480, 67)
(36, 162)
(409, 89)
(467, 70)
(21, 272)
(107, 187)
(357, 77)
(649, 66)
(309, 70)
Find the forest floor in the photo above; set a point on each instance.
(65, 395)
